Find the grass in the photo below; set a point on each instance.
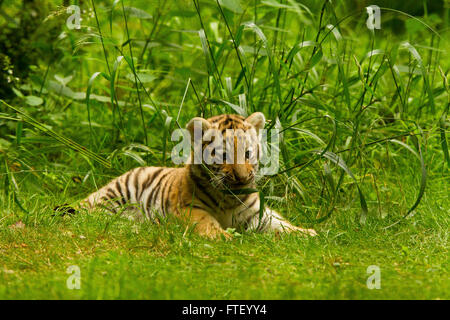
(120, 259)
(363, 157)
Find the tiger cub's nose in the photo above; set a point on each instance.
(240, 172)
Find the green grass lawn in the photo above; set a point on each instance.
(119, 259)
(364, 121)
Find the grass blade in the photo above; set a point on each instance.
(66, 141)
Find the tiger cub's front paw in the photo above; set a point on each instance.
(214, 233)
(218, 234)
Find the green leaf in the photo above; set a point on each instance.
(62, 80)
(236, 108)
(137, 13)
(315, 58)
(232, 5)
(33, 101)
(133, 155)
(143, 77)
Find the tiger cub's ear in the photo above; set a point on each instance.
(199, 123)
(256, 119)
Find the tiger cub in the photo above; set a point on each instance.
(195, 192)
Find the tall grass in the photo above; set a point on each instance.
(362, 113)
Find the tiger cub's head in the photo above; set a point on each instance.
(226, 148)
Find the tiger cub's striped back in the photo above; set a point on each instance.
(147, 190)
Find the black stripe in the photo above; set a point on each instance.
(150, 196)
(150, 179)
(136, 181)
(202, 188)
(233, 199)
(162, 186)
(208, 205)
(164, 200)
(113, 197)
(248, 207)
(111, 194)
(127, 178)
(245, 197)
(155, 190)
(144, 185)
(201, 184)
(167, 202)
(119, 188)
(256, 199)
